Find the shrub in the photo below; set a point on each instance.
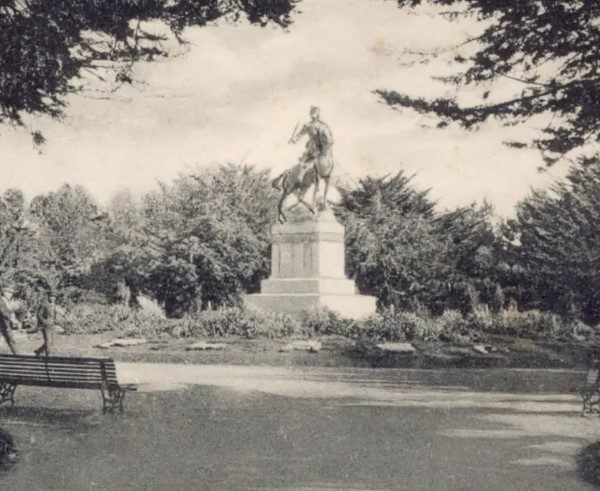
(322, 321)
(390, 326)
(452, 321)
(230, 321)
(376, 327)
(482, 320)
(530, 323)
(97, 318)
(245, 322)
(150, 306)
(416, 327)
(581, 329)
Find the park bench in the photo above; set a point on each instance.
(590, 392)
(63, 372)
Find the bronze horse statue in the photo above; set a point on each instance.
(290, 182)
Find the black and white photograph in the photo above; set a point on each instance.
(299, 245)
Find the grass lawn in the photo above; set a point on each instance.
(335, 352)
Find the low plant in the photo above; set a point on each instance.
(322, 321)
(529, 323)
(452, 321)
(394, 326)
(244, 322)
(482, 320)
(97, 318)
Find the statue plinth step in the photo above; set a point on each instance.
(348, 306)
(334, 286)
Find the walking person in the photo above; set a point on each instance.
(46, 317)
(6, 321)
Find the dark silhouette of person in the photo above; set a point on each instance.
(6, 325)
(46, 317)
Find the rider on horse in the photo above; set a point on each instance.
(315, 165)
(318, 147)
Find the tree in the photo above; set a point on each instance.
(24, 261)
(129, 249)
(559, 243)
(16, 236)
(392, 250)
(473, 251)
(71, 230)
(401, 250)
(211, 233)
(48, 46)
(550, 47)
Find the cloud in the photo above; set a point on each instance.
(239, 91)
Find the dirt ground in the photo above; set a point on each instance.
(240, 427)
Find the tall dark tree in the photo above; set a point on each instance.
(392, 250)
(472, 249)
(47, 46)
(18, 248)
(558, 236)
(550, 47)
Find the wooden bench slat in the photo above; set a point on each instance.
(49, 365)
(50, 370)
(41, 363)
(54, 367)
(56, 372)
(4, 373)
(60, 385)
(57, 380)
(57, 359)
(51, 377)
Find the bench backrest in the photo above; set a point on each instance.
(55, 371)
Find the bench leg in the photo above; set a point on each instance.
(111, 398)
(591, 402)
(7, 392)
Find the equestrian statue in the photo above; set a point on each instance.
(315, 164)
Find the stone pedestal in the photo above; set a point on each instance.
(307, 270)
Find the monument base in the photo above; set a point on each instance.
(307, 269)
(351, 306)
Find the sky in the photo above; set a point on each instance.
(237, 92)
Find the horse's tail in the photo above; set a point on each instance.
(278, 181)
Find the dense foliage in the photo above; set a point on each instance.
(551, 48)
(558, 247)
(48, 47)
(408, 256)
(202, 241)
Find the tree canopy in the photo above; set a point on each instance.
(550, 47)
(46, 47)
(558, 243)
(409, 256)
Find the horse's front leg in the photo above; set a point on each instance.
(300, 196)
(310, 208)
(281, 215)
(315, 191)
(326, 189)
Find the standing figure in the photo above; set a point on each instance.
(46, 317)
(6, 322)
